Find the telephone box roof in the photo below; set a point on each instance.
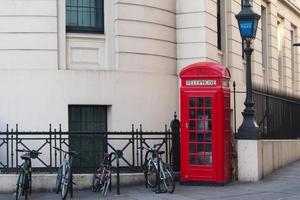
(205, 69)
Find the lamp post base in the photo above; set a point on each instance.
(249, 129)
(249, 154)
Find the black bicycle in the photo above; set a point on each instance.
(156, 171)
(24, 183)
(102, 179)
(64, 178)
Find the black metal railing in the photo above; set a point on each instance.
(277, 113)
(124, 144)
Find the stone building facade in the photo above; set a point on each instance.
(131, 65)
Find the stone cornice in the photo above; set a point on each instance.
(295, 7)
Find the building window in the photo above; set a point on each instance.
(219, 24)
(280, 47)
(89, 121)
(264, 43)
(293, 60)
(85, 16)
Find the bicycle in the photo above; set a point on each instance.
(64, 179)
(102, 180)
(156, 171)
(24, 182)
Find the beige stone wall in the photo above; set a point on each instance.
(197, 41)
(145, 36)
(196, 28)
(278, 153)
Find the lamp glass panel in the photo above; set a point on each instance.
(255, 23)
(246, 27)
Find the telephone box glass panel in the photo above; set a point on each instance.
(200, 129)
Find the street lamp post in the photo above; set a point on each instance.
(248, 20)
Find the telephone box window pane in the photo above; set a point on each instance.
(192, 159)
(192, 101)
(208, 102)
(208, 148)
(192, 125)
(208, 113)
(200, 160)
(208, 137)
(192, 137)
(192, 113)
(200, 148)
(193, 148)
(208, 127)
(200, 137)
(200, 125)
(200, 113)
(200, 102)
(208, 159)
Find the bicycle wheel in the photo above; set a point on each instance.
(151, 174)
(65, 183)
(20, 186)
(58, 180)
(95, 183)
(26, 186)
(167, 175)
(106, 183)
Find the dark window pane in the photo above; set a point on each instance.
(200, 102)
(200, 113)
(85, 119)
(208, 113)
(208, 159)
(200, 148)
(192, 101)
(192, 113)
(208, 102)
(200, 125)
(193, 148)
(200, 137)
(208, 148)
(208, 137)
(208, 125)
(192, 159)
(219, 34)
(200, 160)
(192, 137)
(84, 15)
(192, 125)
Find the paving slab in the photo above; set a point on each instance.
(284, 184)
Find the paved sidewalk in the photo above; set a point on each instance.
(284, 184)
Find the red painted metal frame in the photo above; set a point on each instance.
(214, 85)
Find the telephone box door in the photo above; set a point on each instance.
(199, 115)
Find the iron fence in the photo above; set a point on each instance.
(277, 113)
(91, 146)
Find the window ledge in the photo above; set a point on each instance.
(86, 35)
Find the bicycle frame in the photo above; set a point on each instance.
(64, 180)
(64, 166)
(24, 181)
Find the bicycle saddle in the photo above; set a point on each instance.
(160, 152)
(26, 156)
(30, 155)
(72, 153)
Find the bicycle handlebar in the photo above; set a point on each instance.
(29, 151)
(67, 152)
(154, 148)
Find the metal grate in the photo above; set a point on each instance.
(277, 113)
(85, 16)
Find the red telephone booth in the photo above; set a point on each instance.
(205, 124)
